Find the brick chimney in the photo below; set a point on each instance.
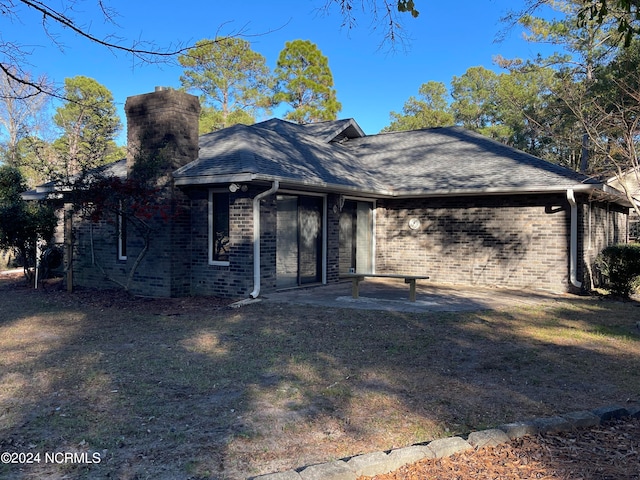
(163, 122)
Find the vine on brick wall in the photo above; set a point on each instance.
(143, 198)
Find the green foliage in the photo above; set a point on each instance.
(620, 267)
(612, 104)
(408, 6)
(587, 46)
(524, 102)
(625, 14)
(22, 223)
(11, 184)
(473, 98)
(38, 161)
(305, 82)
(89, 124)
(212, 119)
(232, 80)
(428, 111)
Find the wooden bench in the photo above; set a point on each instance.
(356, 278)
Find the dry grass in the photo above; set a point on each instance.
(190, 389)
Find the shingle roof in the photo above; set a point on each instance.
(285, 153)
(453, 159)
(437, 161)
(114, 169)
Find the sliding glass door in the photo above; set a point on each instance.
(299, 240)
(356, 237)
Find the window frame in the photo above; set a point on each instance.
(122, 235)
(211, 224)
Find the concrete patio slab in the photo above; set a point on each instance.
(393, 295)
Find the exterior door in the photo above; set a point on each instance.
(356, 237)
(299, 240)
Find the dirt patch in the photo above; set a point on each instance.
(192, 389)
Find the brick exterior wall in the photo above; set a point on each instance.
(268, 245)
(162, 272)
(602, 225)
(514, 241)
(236, 279)
(333, 238)
(95, 254)
(162, 128)
(164, 120)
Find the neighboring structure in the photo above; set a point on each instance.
(279, 205)
(629, 183)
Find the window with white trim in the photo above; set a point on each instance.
(218, 227)
(122, 236)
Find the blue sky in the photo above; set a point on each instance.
(445, 40)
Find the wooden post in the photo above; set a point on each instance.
(355, 286)
(412, 288)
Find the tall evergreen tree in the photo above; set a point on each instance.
(305, 82)
(474, 98)
(233, 81)
(89, 123)
(431, 109)
(587, 44)
(614, 128)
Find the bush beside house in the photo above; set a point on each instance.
(619, 267)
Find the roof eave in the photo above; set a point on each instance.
(580, 187)
(211, 180)
(602, 190)
(203, 180)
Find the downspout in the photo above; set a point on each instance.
(256, 237)
(573, 245)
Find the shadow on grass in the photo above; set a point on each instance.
(182, 389)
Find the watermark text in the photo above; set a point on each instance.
(59, 458)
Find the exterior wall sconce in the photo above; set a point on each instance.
(234, 187)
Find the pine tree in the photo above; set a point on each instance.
(305, 83)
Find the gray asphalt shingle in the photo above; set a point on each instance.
(452, 158)
(430, 161)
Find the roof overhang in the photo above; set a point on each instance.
(457, 192)
(48, 191)
(599, 191)
(212, 180)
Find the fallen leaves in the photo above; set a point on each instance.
(607, 452)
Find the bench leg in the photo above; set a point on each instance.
(355, 287)
(412, 288)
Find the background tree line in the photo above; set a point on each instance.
(234, 86)
(551, 107)
(233, 82)
(577, 108)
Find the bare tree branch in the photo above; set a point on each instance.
(14, 57)
(385, 14)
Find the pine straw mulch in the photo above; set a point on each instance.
(605, 452)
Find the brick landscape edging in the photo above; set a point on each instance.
(379, 463)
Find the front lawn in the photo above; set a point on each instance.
(187, 388)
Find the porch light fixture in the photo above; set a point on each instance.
(234, 187)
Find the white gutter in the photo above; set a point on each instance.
(573, 245)
(256, 237)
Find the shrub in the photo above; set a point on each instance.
(619, 266)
